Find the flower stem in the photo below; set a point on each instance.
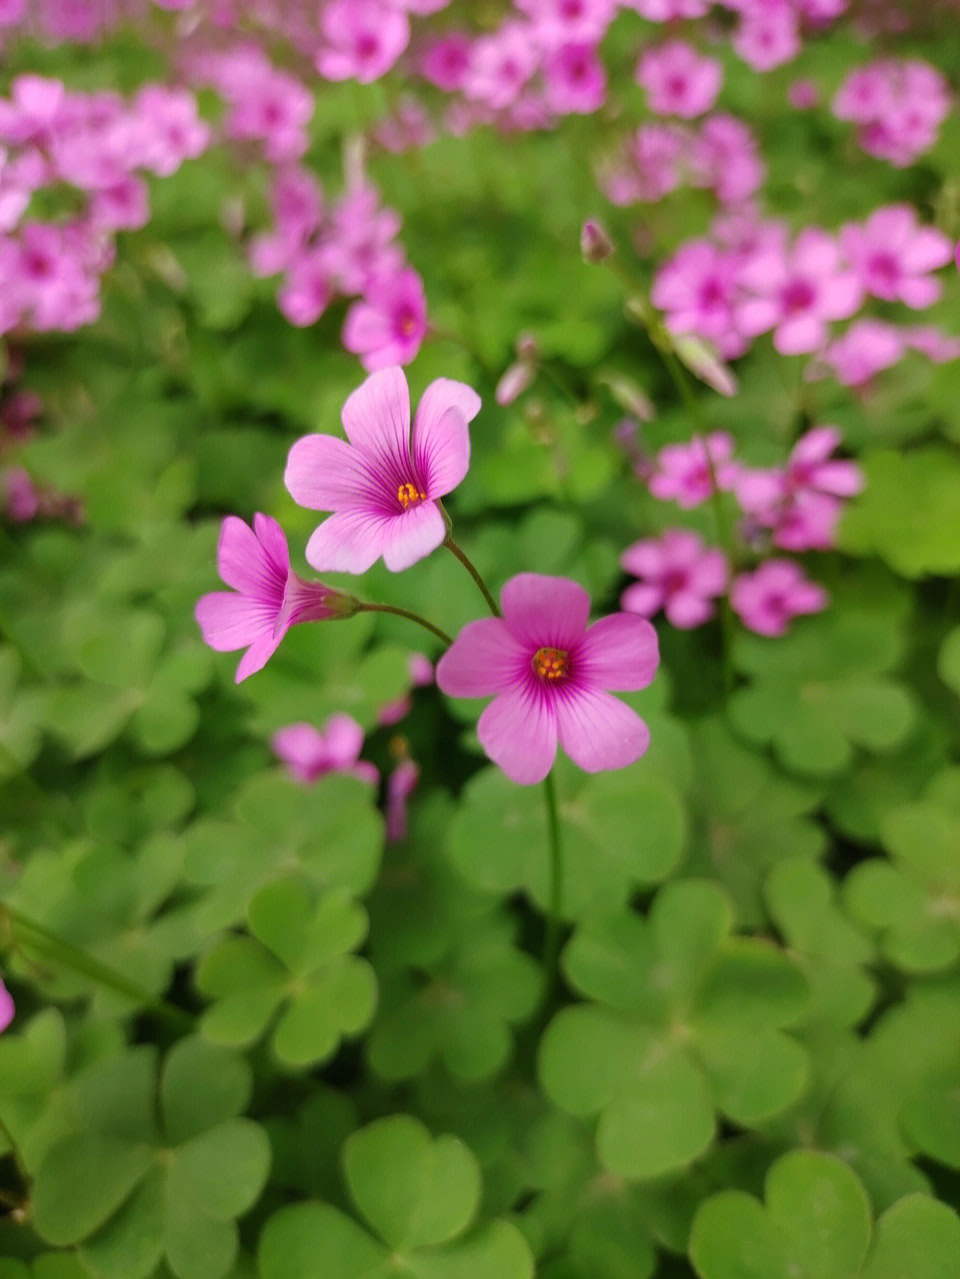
(411, 617)
(551, 944)
(34, 936)
(471, 569)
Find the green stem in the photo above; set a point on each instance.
(551, 943)
(411, 617)
(491, 602)
(35, 936)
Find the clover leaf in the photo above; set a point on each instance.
(822, 690)
(621, 829)
(19, 733)
(912, 902)
(688, 1024)
(816, 1224)
(130, 1191)
(297, 970)
(419, 1195)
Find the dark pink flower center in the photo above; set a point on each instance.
(551, 664)
(676, 84)
(798, 295)
(367, 45)
(885, 269)
(674, 580)
(712, 293)
(407, 320)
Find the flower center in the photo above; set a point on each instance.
(409, 495)
(551, 664)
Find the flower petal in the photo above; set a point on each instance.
(412, 535)
(518, 731)
(441, 441)
(326, 474)
(244, 564)
(257, 656)
(376, 418)
(273, 540)
(343, 737)
(545, 612)
(599, 731)
(483, 659)
(229, 621)
(348, 542)
(619, 651)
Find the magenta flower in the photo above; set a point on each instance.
(267, 598)
(768, 599)
(768, 35)
(309, 752)
(364, 38)
(797, 292)
(685, 473)
(678, 80)
(549, 674)
(388, 326)
(575, 81)
(383, 488)
(892, 254)
(698, 288)
(679, 574)
(7, 1007)
(866, 348)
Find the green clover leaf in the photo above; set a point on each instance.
(816, 1224)
(688, 1025)
(419, 1194)
(297, 970)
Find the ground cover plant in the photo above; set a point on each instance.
(480, 655)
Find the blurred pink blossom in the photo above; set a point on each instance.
(893, 254)
(678, 574)
(678, 80)
(389, 324)
(768, 599)
(685, 473)
(362, 39)
(310, 753)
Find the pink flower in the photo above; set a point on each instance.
(267, 598)
(388, 326)
(685, 472)
(725, 157)
(309, 752)
(768, 599)
(899, 106)
(650, 168)
(667, 10)
(679, 574)
(401, 784)
(364, 38)
(937, 346)
(867, 347)
(167, 129)
(382, 488)
(445, 61)
(892, 254)
(678, 80)
(7, 1007)
(21, 497)
(549, 674)
(768, 35)
(500, 65)
(698, 289)
(797, 291)
(575, 79)
(307, 290)
(803, 94)
(559, 21)
(273, 106)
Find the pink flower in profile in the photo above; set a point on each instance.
(401, 784)
(678, 80)
(892, 254)
(364, 38)
(7, 1007)
(389, 324)
(797, 292)
(685, 473)
(310, 752)
(549, 675)
(768, 599)
(267, 598)
(382, 487)
(679, 574)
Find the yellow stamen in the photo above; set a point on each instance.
(408, 495)
(551, 664)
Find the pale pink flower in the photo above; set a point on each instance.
(937, 346)
(34, 110)
(725, 157)
(389, 324)
(893, 254)
(574, 79)
(267, 598)
(548, 673)
(797, 292)
(7, 1007)
(768, 35)
(650, 167)
(678, 80)
(21, 497)
(363, 39)
(858, 355)
(667, 10)
(768, 599)
(310, 753)
(307, 290)
(445, 61)
(168, 129)
(685, 473)
(678, 574)
(560, 21)
(899, 106)
(382, 486)
(401, 784)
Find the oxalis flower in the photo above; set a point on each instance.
(549, 673)
(382, 486)
(7, 1007)
(267, 598)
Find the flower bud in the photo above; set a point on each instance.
(595, 244)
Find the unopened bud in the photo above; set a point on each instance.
(513, 383)
(705, 364)
(595, 244)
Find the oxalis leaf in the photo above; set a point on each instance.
(816, 1224)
